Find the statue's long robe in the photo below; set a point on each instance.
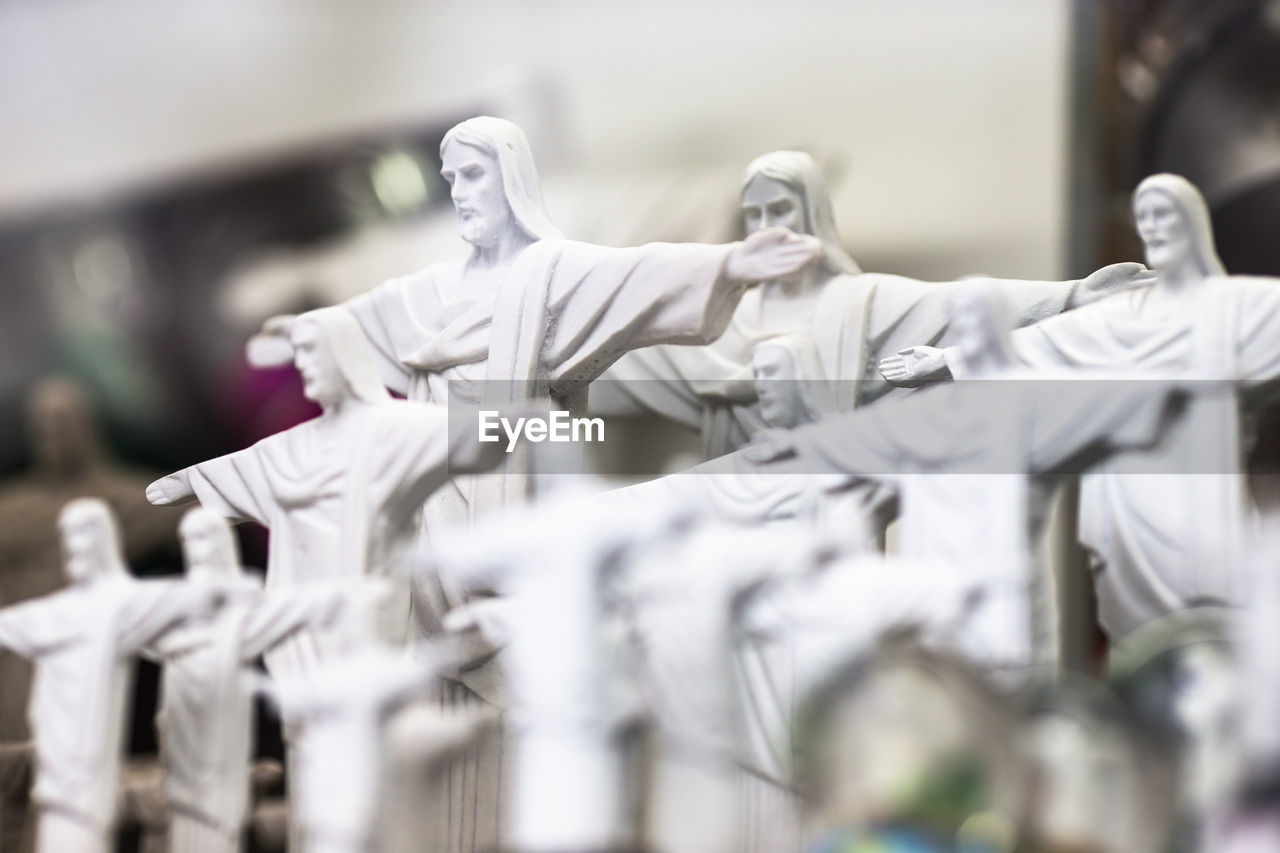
(1164, 529)
(856, 321)
(336, 511)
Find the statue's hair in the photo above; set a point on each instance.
(799, 171)
(99, 512)
(506, 143)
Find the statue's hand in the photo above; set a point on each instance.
(914, 366)
(271, 346)
(170, 491)
(770, 254)
(770, 445)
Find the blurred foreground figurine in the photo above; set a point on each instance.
(338, 493)
(907, 749)
(559, 663)
(855, 318)
(206, 711)
(337, 714)
(1158, 542)
(81, 640)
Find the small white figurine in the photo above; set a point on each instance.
(1160, 542)
(206, 712)
(81, 640)
(339, 493)
(854, 317)
(559, 666)
(681, 599)
(337, 714)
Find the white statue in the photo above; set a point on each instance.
(81, 640)
(339, 493)
(559, 665)
(336, 714)
(1160, 542)
(792, 390)
(854, 317)
(205, 721)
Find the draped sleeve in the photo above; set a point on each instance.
(237, 486)
(603, 302)
(1258, 353)
(280, 613)
(37, 628)
(389, 316)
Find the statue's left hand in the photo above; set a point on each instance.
(170, 491)
(770, 254)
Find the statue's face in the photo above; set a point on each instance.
(766, 203)
(84, 542)
(322, 382)
(475, 180)
(1163, 230)
(201, 539)
(969, 325)
(777, 385)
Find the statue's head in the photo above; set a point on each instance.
(790, 382)
(333, 358)
(785, 188)
(494, 183)
(208, 545)
(1173, 221)
(980, 324)
(90, 540)
(61, 428)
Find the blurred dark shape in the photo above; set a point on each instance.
(17, 831)
(68, 463)
(907, 746)
(1178, 675)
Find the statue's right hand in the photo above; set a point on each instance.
(271, 346)
(913, 366)
(171, 490)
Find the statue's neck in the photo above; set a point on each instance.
(499, 251)
(801, 286)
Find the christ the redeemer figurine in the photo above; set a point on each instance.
(206, 710)
(338, 493)
(81, 640)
